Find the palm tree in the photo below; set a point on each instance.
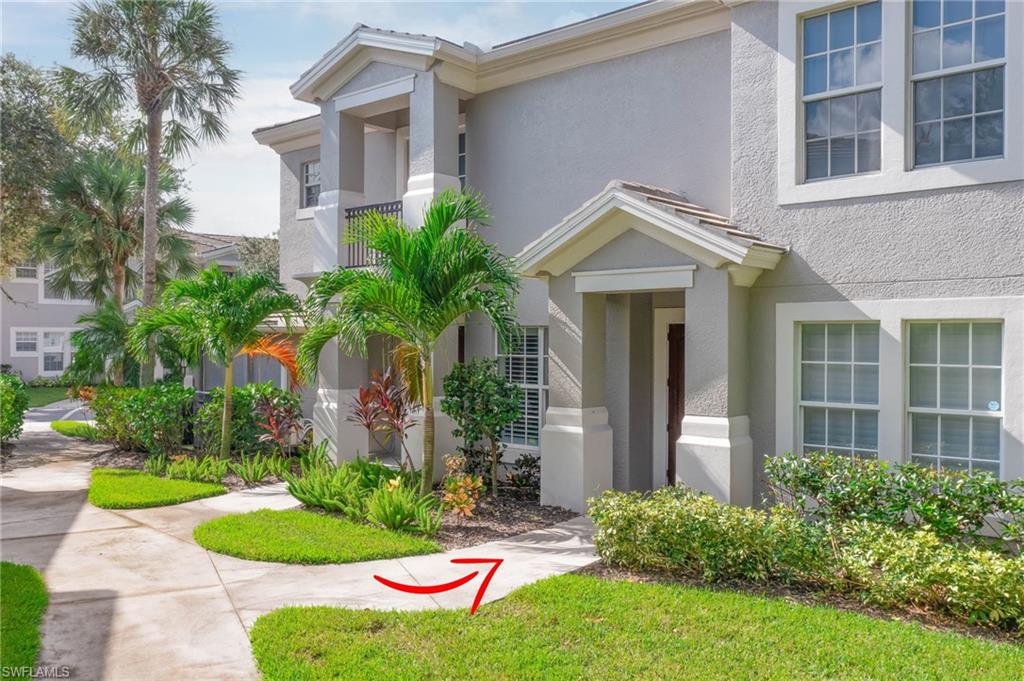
(423, 281)
(95, 228)
(220, 316)
(163, 59)
(101, 348)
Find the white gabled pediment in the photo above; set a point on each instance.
(658, 214)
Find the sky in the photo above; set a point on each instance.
(234, 185)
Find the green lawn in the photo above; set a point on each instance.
(124, 488)
(581, 627)
(305, 537)
(40, 397)
(76, 429)
(23, 601)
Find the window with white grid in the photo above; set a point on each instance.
(955, 409)
(958, 64)
(25, 270)
(25, 341)
(462, 160)
(53, 351)
(842, 91)
(839, 388)
(310, 184)
(526, 365)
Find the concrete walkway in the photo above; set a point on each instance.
(133, 597)
(38, 419)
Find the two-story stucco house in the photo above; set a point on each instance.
(744, 228)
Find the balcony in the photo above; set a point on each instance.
(359, 254)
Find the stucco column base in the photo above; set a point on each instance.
(345, 440)
(422, 190)
(576, 463)
(715, 454)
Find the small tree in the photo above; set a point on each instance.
(482, 403)
(383, 406)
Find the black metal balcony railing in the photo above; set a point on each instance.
(359, 254)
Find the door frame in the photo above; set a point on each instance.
(663, 317)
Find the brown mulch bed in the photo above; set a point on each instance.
(806, 595)
(498, 518)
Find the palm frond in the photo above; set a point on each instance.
(279, 348)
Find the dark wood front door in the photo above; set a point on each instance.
(675, 395)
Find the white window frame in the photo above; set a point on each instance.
(542, 387)
(15, 276)
(852, 406)
(462, 158)
(897, 174)
(941, 411)
(304, 185)
(893, 390)
(40, 351)
(46, 300)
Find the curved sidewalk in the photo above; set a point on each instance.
(133, 597)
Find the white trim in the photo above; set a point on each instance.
(290, 136)
(375, 93)
(305, 213)
(615, 211)
(663, 317)
(635, 279)
(897, 174)
(893, 316)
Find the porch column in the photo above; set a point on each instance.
(433, 145)
(433, 167)
(341, 178)
(576, 440)
(714, 452)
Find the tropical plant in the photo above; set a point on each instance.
(333, 489)
(397, 506)
(482, 402)
(166, 62)
(101, 350)
(279, 466)
(94, 228)
(383, 406)
(461, 490)
(196, 469)
(13, 405)
(251, 469)
(246, 433)
(281, 419)
(220, 317)
(422, 282)
(156, 465)
(525, 474)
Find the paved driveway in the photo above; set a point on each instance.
(133, 597)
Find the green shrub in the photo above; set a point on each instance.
(196, 469)
(251, 469)
(13, 405)
(888, 566)
(954, 505)
(675, 528)
(151, 419)
(48, 382)
(80, 429)
(332, 489)
(155, 465)
(396, 505)
(279, 466)
(245, 430)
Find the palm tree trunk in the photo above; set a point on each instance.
(225, 424)
(427, 470)
(154, 123)
(117, 296)
(494, 469)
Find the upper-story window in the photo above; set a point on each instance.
(462, 160)
(25, 270)
(842, 88)
(958, 63)
(310, 184)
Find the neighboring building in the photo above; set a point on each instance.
(36, 323)
(747, 228)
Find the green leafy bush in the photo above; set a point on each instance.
(251, 469)
(48, 382)
(396, 505)
(151, 419)
(196, 469)
(13, 405)
(155, 465)
(675, 528)
(888, 566)
(279, 466)
(954, 505)
(332, 489)
(245, 429)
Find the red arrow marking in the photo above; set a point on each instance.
(454, 584)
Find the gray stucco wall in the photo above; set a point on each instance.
(23, 310)
(945, 243)
(539, 149)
